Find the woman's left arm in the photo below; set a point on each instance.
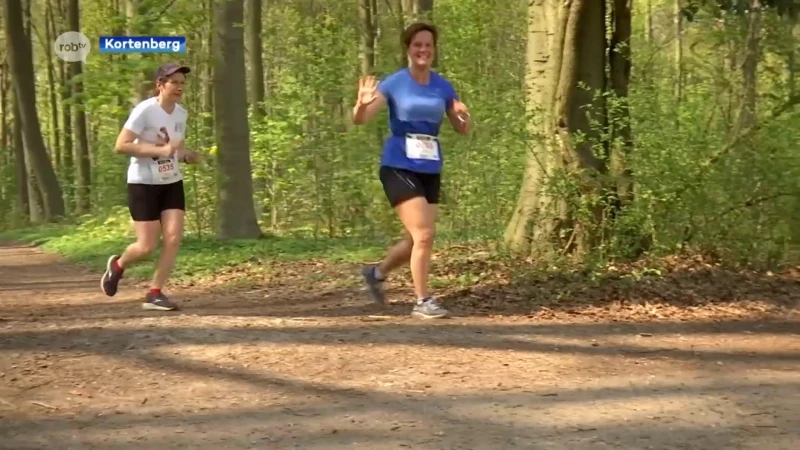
(457, 112)
(459, 117)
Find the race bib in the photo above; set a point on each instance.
(421, 146)
(164, 170)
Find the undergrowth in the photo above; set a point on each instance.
(90, 242)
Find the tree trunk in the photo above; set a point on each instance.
(620, 72)
(208, 79)
(793, 29)
(35, 195)
(68, 164)
(143, 84)
(648, 32)
(399, 9)
(566, 49)
(237, 217)
(423, 10)
(83, 202)
(21, 59)
(4, 90)
(121, 23)
(6, 155)
(367, 37)
(747, 111)
(19, 160)
(36, 211)
(678, 22)
(49, 27)
(256, 57)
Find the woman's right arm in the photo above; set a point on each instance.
(133, 127)
(363, 113)
(370, 99)
(126, 146)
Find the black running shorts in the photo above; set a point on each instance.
(401, 185)
(146, 202)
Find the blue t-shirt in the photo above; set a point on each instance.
(414, 108)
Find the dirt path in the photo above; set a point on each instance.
(81, 371)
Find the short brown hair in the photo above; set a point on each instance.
(416, 27)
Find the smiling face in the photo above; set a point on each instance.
(172, 86)
(421, 49)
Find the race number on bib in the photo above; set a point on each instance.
(421, 146)
(164, 170)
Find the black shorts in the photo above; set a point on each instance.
(401, 185)
(146, 202)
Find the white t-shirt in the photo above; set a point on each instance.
(148, 119)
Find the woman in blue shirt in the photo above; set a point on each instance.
(411, 161)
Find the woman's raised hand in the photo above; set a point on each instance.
(366, 89)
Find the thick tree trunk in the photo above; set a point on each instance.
(23, 205)
(21, 60)
(83, 202)
(237, 218)
(35, 196)
(566, 49)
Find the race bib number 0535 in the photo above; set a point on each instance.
(164, 170)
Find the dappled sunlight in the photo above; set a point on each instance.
(264, 370)
(249, 404)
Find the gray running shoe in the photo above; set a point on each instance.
(429, 309)
(158, 302)
(374, 285)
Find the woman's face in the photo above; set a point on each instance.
(172, 87)
(420, 51)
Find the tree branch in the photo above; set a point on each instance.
(755, 200)
(166, 7)
(749, 131)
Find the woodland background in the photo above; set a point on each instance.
(603, 130)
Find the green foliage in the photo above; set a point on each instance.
(698, 183)
(93, 240)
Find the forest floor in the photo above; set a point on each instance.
(295, 358)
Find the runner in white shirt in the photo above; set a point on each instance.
(153, 137)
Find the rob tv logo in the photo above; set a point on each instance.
(72, 46)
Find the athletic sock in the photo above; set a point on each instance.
(422, 300)
(115, 266)
(377, 273)
(155, 291)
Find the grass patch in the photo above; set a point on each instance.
(91, 242)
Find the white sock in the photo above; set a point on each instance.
(377, 273)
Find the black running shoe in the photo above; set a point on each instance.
(158, 302)
(110, 281)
